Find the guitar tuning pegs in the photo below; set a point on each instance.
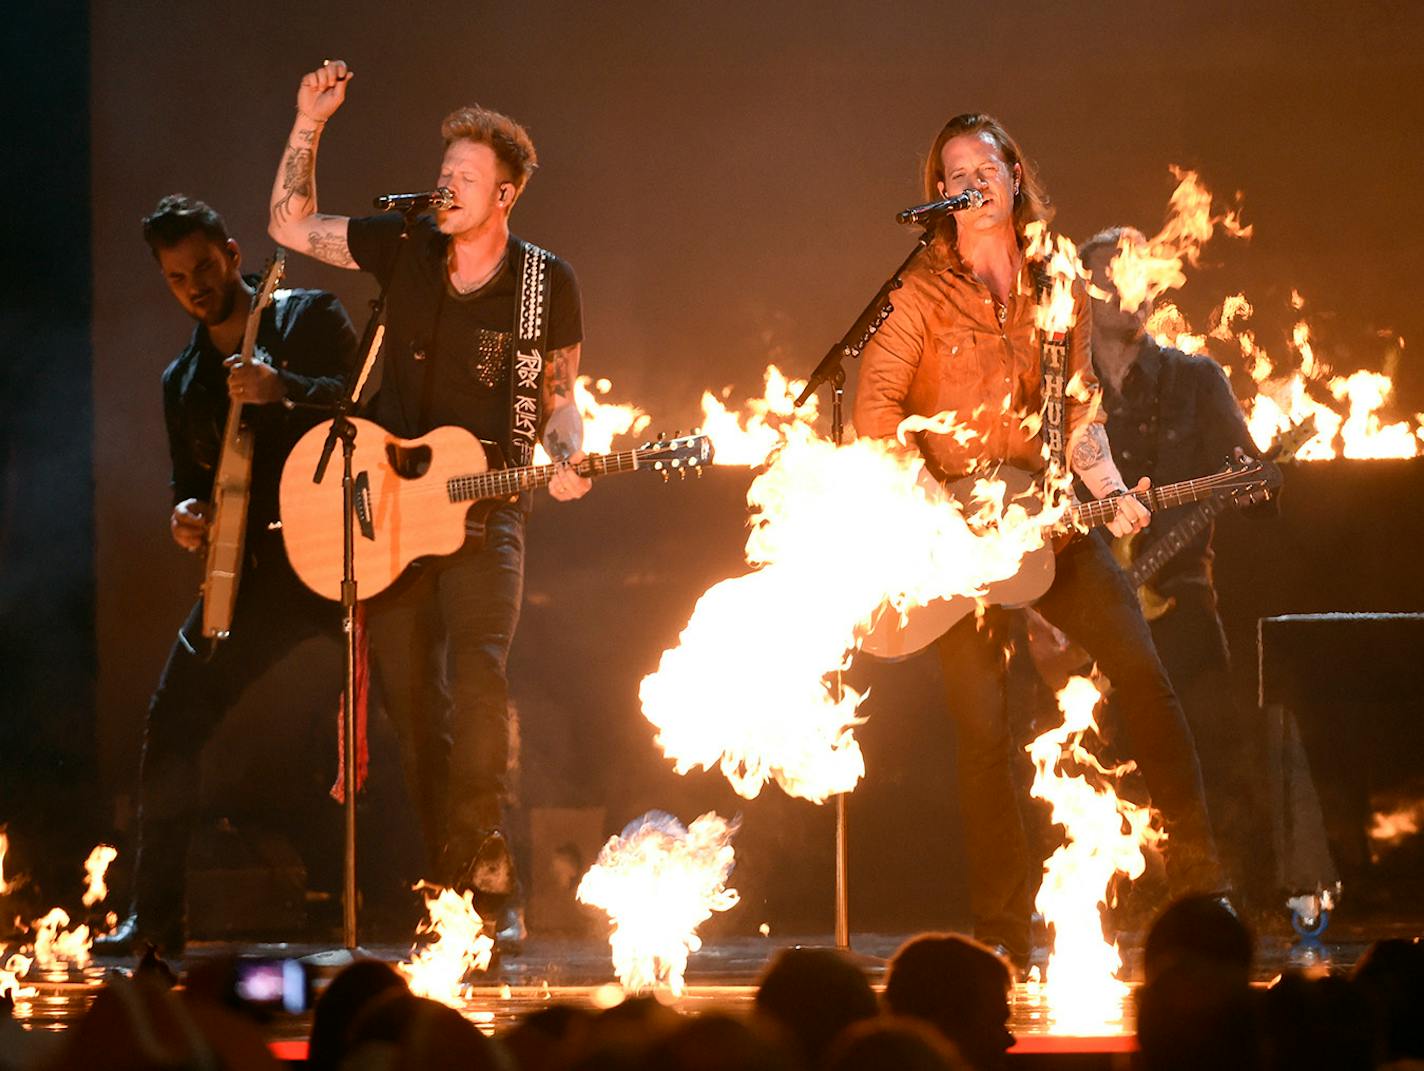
(666, 475)
(682, 474)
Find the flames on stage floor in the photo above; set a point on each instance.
(658, 881)
(451, 944)
(54, 943)
(1103, 839)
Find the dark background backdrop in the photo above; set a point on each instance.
(723, 178)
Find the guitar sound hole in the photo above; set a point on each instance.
(409, 462)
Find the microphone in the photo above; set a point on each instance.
(442, 197)
(970, 198)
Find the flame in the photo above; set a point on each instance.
(760, 425)
(1390, 828)
(95, 867)
(1059, 257)
(16, 967)
(1345, 408)
(1103, 836)
(658, 882)
(57, 946)
(1143, 272)
(750, 687)
(460, 945)
(603, 422)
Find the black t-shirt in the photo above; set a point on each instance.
(447, 356)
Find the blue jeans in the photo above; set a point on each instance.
(1093, 603)
(439, 644)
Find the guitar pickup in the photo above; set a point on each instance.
(362, 505)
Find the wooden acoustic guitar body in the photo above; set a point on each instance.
(890, 638)
(404, 508)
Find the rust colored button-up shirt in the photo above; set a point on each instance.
(943, 348)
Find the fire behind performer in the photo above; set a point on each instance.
(440, 638)
(962, 337)
(304, 346)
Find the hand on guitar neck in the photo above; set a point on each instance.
(253, 382)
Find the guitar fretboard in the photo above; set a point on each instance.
(500, 483)
(1092, 514)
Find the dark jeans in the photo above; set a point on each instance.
(274, 613)
(1192, 645)
(439, 641)
(1091, 601)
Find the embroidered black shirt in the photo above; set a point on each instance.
(447, 356)
(1174, 419)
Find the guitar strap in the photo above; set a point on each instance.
(531, 338)
(1053, 364)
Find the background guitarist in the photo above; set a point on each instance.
(304, 346)
(440, 636)
(1173, 416)
(962, 338)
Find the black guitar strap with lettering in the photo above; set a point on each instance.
(1053, 364)
(531, 338)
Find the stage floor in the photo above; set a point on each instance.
(720, 977)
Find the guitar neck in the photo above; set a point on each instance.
(500, 483)
(1148, 565)
(1093, 514)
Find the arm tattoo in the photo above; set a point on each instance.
(331, 248)
(298, 167)
(1089, 452)
(560, 372)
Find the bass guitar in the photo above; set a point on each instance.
(412, 497)
(1142, 567)
(895, 636)
(232, 484)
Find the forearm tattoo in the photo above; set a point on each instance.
(560, 372)
(1090, 450)
(330, 248)
(298, 168)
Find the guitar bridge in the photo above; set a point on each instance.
(362, 506)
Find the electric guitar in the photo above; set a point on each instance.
(232, 484)
(412, 497)
(1141, 568)
(893, 636)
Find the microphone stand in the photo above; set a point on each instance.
(344, 431)
(832, 370)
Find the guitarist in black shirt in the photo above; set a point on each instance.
(304, 344)
(1173, 416)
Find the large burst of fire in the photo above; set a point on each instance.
(1103, 837)
(658, 881)
(453, 944)
(751, 687)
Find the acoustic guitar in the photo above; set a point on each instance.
(412, 497)
(232, 484)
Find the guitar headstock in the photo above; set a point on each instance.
(1289, 442)
(688, 453)
(271, 278)
(1247, 480)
